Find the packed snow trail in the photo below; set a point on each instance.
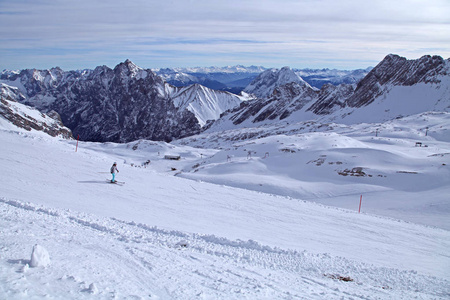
(125, 260)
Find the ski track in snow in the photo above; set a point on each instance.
(130, 260)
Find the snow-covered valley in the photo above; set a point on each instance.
(261, 213)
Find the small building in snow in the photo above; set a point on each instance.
(172, 157)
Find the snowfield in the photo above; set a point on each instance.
(273, 217)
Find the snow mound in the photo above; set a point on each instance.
(39, 257)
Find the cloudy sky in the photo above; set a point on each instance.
(342, 34)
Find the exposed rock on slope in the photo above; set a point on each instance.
(284, 100)
(397, 71)
(331, 98)
(28, 118)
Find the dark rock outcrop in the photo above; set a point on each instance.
(29, 118)
(394, 70)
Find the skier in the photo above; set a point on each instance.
(113, 172)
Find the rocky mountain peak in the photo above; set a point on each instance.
(130, 70)
(264, 85)
(395, 70)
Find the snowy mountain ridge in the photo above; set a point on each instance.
(395, 87)
(319, 77)
(203, 70)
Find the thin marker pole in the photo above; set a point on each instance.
(360, 200)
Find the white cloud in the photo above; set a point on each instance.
(265, 32)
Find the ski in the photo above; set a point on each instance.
(115, 182)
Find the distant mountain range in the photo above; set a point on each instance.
(237, 78)
(129, 103)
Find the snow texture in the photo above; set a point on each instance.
(262, 213)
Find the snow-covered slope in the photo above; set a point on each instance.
(168, 237)
(204, 103)
(10, 93)
(329, 162)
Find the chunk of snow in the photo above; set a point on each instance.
(25, 268)
(93, 289)
(39, 257)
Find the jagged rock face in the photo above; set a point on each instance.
(394, 70)
(281, 92)
(40, 87)
(287, 99)
(121, 105)
(331, 98)
(29, 118)
(284, 100)
(39, 81)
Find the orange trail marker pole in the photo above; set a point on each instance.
(360, 200)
